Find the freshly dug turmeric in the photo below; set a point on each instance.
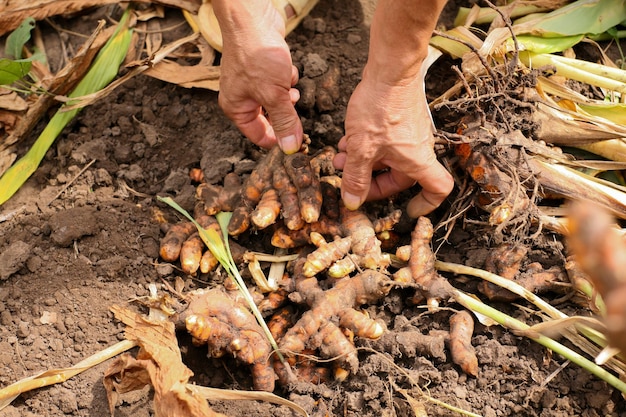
(599, 245)
(325, 254)
(182, 242)
(322, 162)
(316, 328)
(365, 245)
(268, 209)
(215, 198)
(461, 349)
(289, 239)
(173, 240)
(422, 264)
(214, 318)
(191, 254)
(499, 193)
(506, 260)
(259, 180)
(303, 176)
(288, 194)
(302, 367)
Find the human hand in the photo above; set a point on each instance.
(257, 74)
(389, 127)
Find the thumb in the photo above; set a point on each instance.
(286, 125)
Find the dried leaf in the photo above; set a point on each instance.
(13, 102)
(14, 12)
(159, 361)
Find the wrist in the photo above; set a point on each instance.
(399, 38)
(246, 19)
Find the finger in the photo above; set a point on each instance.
(294, 96)
(436, 186)
(343, 144)
(355, 182)
(340, 160)
(389, 183)
(294, 75)
(285, 123)
(258, 130)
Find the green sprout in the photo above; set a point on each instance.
(219, 247)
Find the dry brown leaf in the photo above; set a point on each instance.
(158, 362)
(201, 75)
(12, 101)
(60, 84)
(154, 37)
(188, 77)
(13, 12)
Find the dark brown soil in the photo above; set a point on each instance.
(96, 244)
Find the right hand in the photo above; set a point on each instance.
(257, 75)
(389, 127)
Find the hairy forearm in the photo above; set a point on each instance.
(400, 32)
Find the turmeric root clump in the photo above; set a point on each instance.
(216, 319)
(317, 329)
(360, 248)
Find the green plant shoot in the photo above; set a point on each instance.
(218, 245)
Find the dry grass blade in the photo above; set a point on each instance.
(578, 186)
(55, 376)
(15, 11)
(143, 66)
(236, 395)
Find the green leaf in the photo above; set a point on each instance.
(541, 45)
(578, 18)
(103, 69)
(18, 38)
(11, 71)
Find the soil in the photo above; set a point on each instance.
(75, 241)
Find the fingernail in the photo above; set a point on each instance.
(351, 201)
(289, 144)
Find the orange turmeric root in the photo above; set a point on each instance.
(316, 328)
(267, 210)
(298, 167)
(173, 240)
(215, 198)
(289, 239)
(325, 254)
(212, 317)
(599, 247)
(506, 261)
(461, 349)
(365, 246)
(499, 193)
(288, 194)
(422, 264)
(322, 162)
(259, 180)
(191, 254)
(303, 368)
